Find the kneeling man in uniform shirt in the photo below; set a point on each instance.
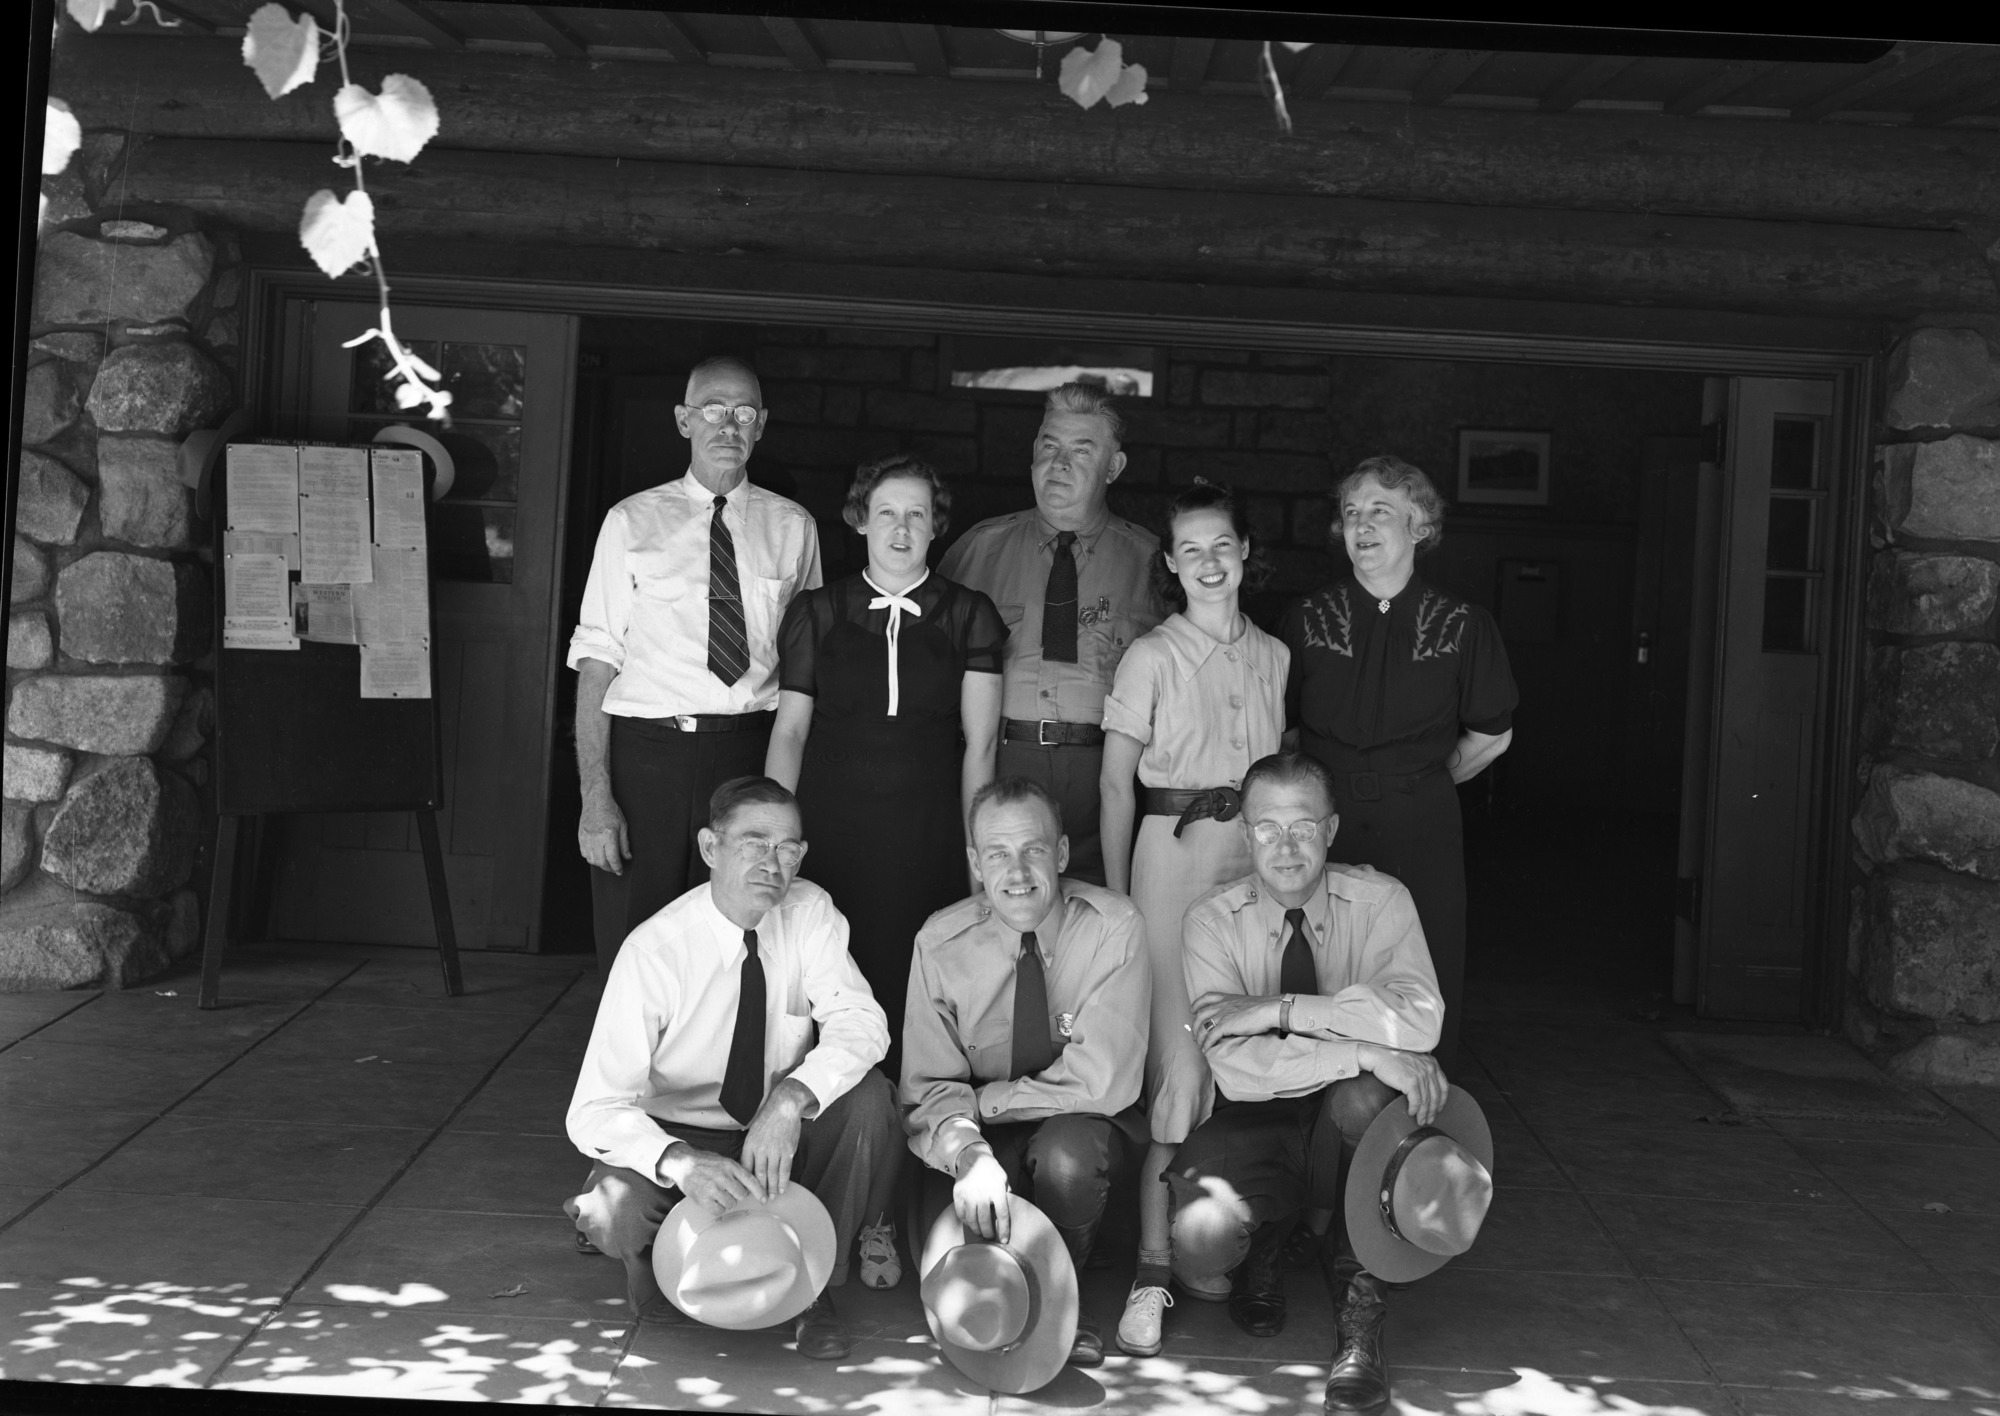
(1316, 1006)
(1024, 1039)
(703, 1077)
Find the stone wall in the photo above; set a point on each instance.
(1925, 956)
(106, 800)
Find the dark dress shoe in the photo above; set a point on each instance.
(1359, 1385)
(821, 1334)
(1088, 1348)
(1257, 1287)
(1302, 1249)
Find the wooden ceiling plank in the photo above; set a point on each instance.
(1977, 99)
(1190, 64)
(1447, 75)
(1731, 78)
(543, 20)
(925, 46)
(419, 18)
(792, 39)
(1897, 66)
(1584, 80)
(677, 40)
(1319, 68)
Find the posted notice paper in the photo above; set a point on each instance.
(256, 588)
(333, 539)
(263, 487)
(399, 497)
(333, 472)
(396, 670)
(324, 613)
(263, 543)
(394, 606)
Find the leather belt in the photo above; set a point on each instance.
(1052, 732)
(1191, 804)
(717, 722)
(1369, 786)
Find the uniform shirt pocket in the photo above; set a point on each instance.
(991, 1052)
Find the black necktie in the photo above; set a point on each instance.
(743, 1078)
(1297, 973)
(1059, 604)
(728, 643)
(1032, 1049)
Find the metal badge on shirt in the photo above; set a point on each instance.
(1099, 613)
(1066, 1024)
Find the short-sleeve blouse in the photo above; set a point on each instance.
(1204, 710)
(957, 632)
(1390, 691)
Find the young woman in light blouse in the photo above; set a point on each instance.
(1196, 701)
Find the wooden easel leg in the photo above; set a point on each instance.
(221, 898)
(427, 832)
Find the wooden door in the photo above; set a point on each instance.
(1662, 605)
(496, 539)
(1770, 649)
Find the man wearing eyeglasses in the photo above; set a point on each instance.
(676, 652)
(1316, 1006)
(734, 1053)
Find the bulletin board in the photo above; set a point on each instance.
(323, 698)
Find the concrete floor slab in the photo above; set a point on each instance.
(45, 1146)
(1743, 1241)
(23, 1014)
(1965, 1248)
(1886, 1175)
(440, 1036)
(148, 1020)
(334, 1091)
(74, 1076)
(158, 1334)
(256, 1160)
(476, 1171)
(1566, 1325)
(1689, 1160)
(520, 1100)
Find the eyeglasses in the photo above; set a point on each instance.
(743, 413)
(760, 849)
(1269, 833)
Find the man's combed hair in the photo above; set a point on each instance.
(1087, 398)
(873, 474)
(738, 792)
(1393, 472)
(1011, 791)
(715, 363)
(1290, 769)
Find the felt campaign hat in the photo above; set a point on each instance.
(752, 1266)
(1004, 1314)
(1416, 1195)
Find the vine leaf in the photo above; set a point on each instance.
(61, 137)
(282, 52)
(337, 234)
(394, 124)
(90, 13)
(1090, 75)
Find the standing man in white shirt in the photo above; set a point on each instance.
(734, 1053)
(676, 651)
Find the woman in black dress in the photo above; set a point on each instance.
(1403, 691)
(888, 718)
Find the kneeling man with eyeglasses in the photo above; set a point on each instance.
(734, 1054)
(1316, 1006)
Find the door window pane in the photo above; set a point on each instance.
(371, 391)
(1788, 542)
(484, 379)
(474, 543)
(1794, 454)
(1788, 605)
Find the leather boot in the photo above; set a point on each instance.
(1257, 1285)
(1359, 1384)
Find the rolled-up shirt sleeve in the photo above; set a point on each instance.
(605, 1120)
(1398, 1005)
(853, 1029)
(1265, 1066)
(938, 1109)
(607, 597)
(1102, 1068)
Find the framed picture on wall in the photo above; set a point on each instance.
(1503, 466)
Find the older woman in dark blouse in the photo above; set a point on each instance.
(1403, 691)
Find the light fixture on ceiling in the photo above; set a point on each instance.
(1042, 40)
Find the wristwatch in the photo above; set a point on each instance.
(1285, 1013)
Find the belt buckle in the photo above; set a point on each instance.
(1042, 732)
(1367, 786)
(687, 722)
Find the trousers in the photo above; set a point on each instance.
(1066, 1166)
(1260, 1161)
(848, 1156)
(1070, 774)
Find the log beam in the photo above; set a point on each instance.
(1320, 69)
(1208, 144)
(1076, 230)
(1189, 65)
(414, 14)
(546, 21)
(798, 47)
(1899, 65)
(1447, 74)
(925, 46)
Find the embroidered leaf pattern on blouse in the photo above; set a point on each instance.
(1440, 625)
(1328, 620)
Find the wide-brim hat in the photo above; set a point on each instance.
(199, 450)
(1417, 1195)
(752, 1266)
(1003, 1314)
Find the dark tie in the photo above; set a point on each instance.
(728, 643)
(1297, 973)
(1032, 1049)
(1059, 604)
(743, 1079)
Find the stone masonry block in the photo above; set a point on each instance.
(51, 499)
(50, 939)
(1952, 1059)
(35, 773)
(924, 412)
(1947, 490)
(50, 403)
(847, 364)
(96, 712)
(1923, 816)
(170, 388)
(1934, 947)
(31, 573)
(28, 642)
(1912, 592)
(17, 842)
(80, 281)
(1248, 471)
(1245, 388)
(1944, 378)
(141, 499)
(66, 201)
(117, 608)
(81, 347)
(1178, 427)
(1942, 700)
(126, 829)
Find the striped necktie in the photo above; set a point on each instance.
(728, 641)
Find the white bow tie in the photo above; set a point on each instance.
(897, 605)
